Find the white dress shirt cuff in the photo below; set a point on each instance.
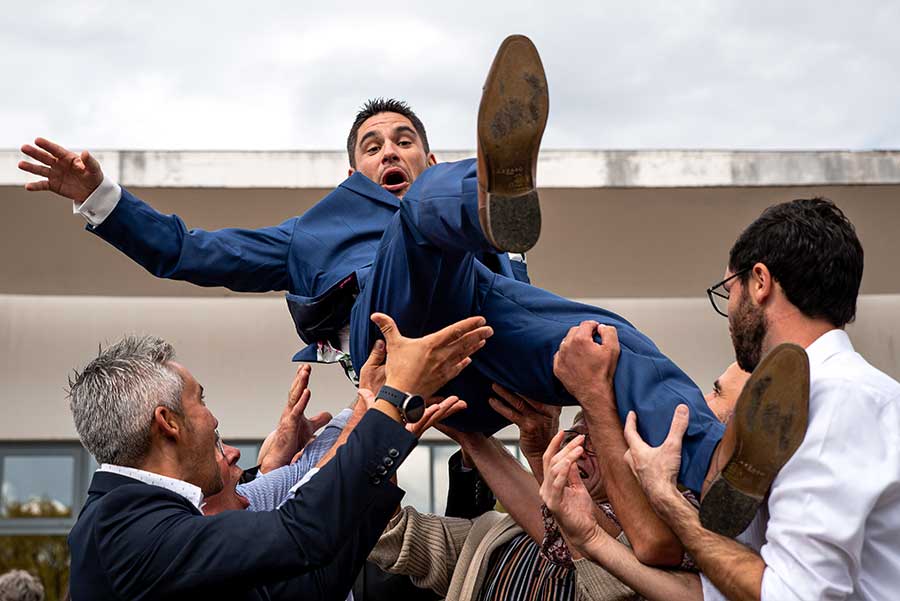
(97, 207)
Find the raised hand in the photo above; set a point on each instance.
(373, 371)
(68, 174)
(538, 423)
(434, 413)
(294, 428)
(656, 468)
(565, 494)
(422, 365)
(584, 367)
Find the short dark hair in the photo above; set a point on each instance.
(375, 106)
(811, 249)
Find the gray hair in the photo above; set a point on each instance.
(19, 585)
(113, 399)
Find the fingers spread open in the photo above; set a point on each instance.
(552, 448)
(41, 186)
(52, 147)
(457, 330)
(40, 170)
(38, 155)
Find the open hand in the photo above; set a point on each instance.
(656, 468)
(422, 365)
(67, 173)
(294, 429)
(434, 413)
(537, 422)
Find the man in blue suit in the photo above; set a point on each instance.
(414, 239)
(141, 534)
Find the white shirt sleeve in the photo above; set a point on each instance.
(823, 495)
(710, 592)
(97, 207)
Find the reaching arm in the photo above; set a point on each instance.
(587, 369)
(240, 259)
(571, 504)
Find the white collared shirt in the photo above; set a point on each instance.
(187, 490)
(833, 529)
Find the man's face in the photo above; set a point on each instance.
(587, 464)
(198, 454)
(228, 498)
(726, 390)
(390, 152)
(747, 324)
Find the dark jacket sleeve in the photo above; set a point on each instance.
(468, 495)
(240, 259)
(153, 548)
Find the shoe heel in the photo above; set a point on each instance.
(514, 222)
(727, 511)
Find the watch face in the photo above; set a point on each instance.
(413, 408)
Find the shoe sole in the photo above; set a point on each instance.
(771, 416)
(511, 121)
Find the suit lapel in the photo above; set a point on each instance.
(362, 185)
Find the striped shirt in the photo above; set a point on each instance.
(517, 571)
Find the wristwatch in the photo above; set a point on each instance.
(411, 406)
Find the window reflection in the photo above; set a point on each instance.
(37, 486)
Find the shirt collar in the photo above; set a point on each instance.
(187, 490)
(827, 345)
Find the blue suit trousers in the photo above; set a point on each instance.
(426, 277)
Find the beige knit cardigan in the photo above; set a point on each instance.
(450, 555)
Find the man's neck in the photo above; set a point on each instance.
(790, 325)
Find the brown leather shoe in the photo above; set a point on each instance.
(511, 121)
(768, 425)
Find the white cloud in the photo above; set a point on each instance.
(291, 74)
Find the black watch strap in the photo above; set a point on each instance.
(393, 396)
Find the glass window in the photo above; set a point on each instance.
(414, 477)
(37, 486)
(249, 453)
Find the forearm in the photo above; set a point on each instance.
(514, 487)
(735, 569)
(653, 541)
(651, 583)
(359, 410)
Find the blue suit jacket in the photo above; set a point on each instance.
(306, 255)
(137, 541)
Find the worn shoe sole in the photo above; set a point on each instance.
(511, 121)
(771, 416)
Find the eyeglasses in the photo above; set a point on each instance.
(718, 294)
(219, 444)
(588, 447)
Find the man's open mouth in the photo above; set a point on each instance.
(394, 179)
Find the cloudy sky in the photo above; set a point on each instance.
(290, 75)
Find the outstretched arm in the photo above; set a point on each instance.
(735, 569)
(587, 369)
(239, 259)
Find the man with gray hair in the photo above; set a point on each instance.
(19, 585)
(141, 534)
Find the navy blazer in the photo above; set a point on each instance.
(306, 256)
(137, 541)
